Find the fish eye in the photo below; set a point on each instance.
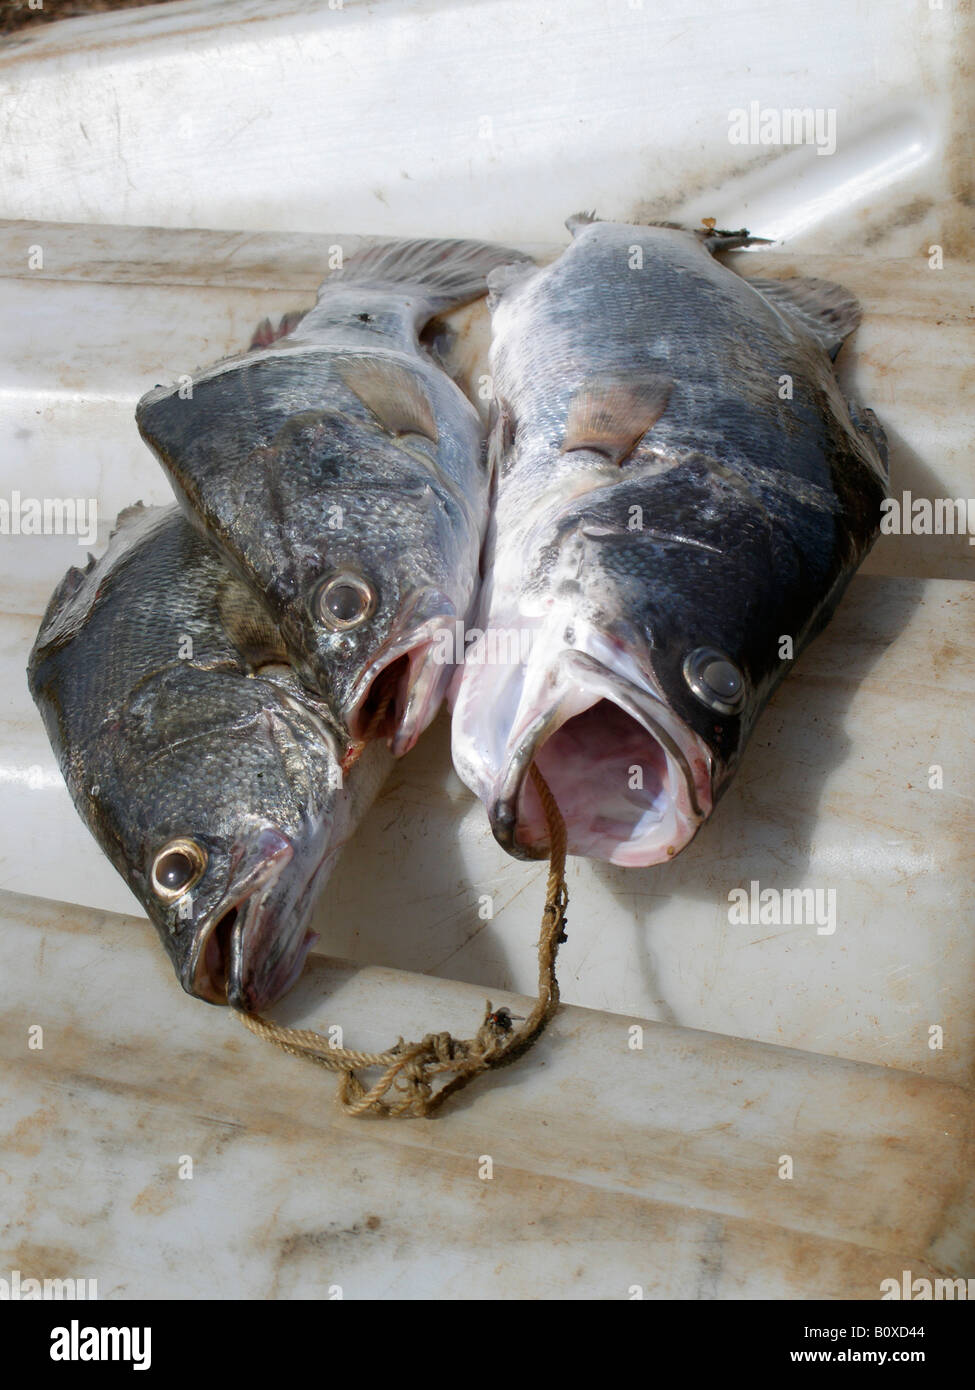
(177, 866)
(345, 601)
(714, 680)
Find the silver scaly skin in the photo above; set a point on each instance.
(220, 790)
(342, 474)
(665, 514)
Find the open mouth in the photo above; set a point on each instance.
(613, 784)
(610, 779)
(632, 785)
(244, 963)
(213, 970)
(402, 697)
(241, 952)
(379, 714)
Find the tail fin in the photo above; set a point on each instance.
(447, 273)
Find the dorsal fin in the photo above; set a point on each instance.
(394, 394)
(67, 588)
(718, 239)
(610, 414)
(823, 309)
(265, 333)
(578, 220)
(135, 511)
(446, 273)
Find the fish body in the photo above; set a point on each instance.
(342, 473)
(220, 790)
(680, 487)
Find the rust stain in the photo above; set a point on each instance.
(28, 1135)
(946, 657)
(154, 1199)
(48, 1261)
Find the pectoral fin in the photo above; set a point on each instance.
(248, 625)
(394, 394)
(610, 414)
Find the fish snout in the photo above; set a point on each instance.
(239, 948)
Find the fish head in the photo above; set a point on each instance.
(370, 599)
(347, 519)
(222, 808)
(651, 622)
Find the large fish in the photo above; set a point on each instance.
(342, 472)
(214, 783)
(681, 487)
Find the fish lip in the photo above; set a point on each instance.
(644, 705)
(243, 992)
(272, 852)
(504, 811)
(427, 679)
(425, 691)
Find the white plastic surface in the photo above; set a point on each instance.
(612, 1167)
(492, 119)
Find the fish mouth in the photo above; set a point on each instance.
(400, 692)
(253, 946)
(631, 780)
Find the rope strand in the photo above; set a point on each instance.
(410, 1069)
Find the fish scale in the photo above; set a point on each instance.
(340, 471)
(184, 738)
(652, 320)
(665, 514)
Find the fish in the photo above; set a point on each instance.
(218, 787)
(342, 473)
(682, 496)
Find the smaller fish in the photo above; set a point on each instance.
(220, 790)
(342, 473)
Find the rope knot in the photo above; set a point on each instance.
(440, 1047)
(409, 1068)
